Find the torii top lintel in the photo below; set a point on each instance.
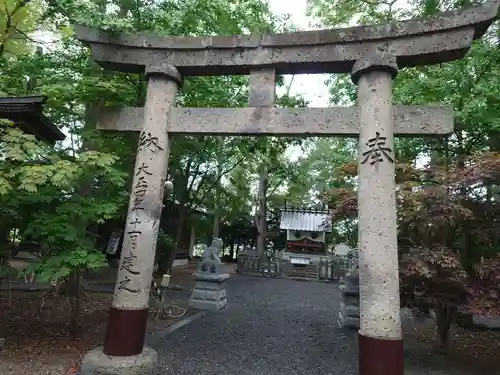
(444, 37)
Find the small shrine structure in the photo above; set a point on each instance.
(306, 247)
(27, 114)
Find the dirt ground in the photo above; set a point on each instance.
(477, 348)
(38, 341)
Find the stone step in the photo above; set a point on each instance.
(310, 271)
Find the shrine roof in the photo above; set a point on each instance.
(27, 114)
(306, 219)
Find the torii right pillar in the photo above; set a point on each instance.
(380, 334)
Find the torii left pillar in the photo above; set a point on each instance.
(124, 352)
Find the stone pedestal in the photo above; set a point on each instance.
(209, 292)
(349, 307)
(96, 362)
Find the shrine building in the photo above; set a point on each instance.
(306, 230)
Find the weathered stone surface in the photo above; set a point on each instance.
(385, 63)
(207, 278)
(441, 38)
(128, 314)
(145, 204)
(262, 90)
(210, 264)
(427, 120)
(96, 362)
(209, 291)
(349, 315)
(213, 299)
(210, 285)
(212, 306)
(165, 70)
(216, 295)
(486, 322)
(377, 220)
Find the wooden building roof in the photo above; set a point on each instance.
(27, 113)
(306, 219)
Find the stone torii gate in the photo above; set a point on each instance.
(372, 54)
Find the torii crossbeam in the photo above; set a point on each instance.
(261, 121)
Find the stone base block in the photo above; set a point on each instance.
(211, 277)
(352, 278)
(349, 310)
(209, 296)
(96, 362)
(212, 306)
(351, 300)
(349, 290)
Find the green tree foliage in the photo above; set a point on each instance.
(18, 18)
(39, 196)
(60, 204)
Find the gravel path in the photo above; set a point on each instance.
(275, 327)
(271, 327)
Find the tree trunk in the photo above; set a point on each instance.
(262, 211)
(192, 242)
(3, 309)
(217, 197)
(231, 250)
(216, 226)
(74, 294)
(237, 249)
(445, 314)
(180, 226)
(492, 190)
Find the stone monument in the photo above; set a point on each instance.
(372, 54)
(349, 307)
(209, 292)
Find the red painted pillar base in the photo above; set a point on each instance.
(126, 332)
(379, 356)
